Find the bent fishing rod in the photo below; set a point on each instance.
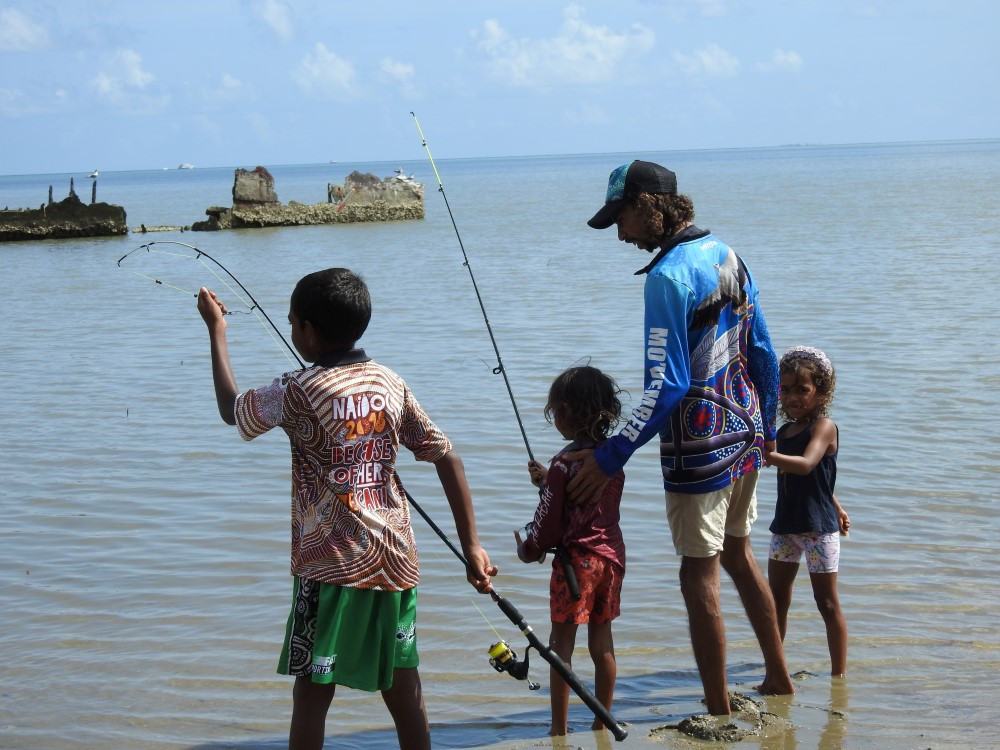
(502, 658)
(561, 553)
(198, 255)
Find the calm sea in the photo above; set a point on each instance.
(143, 546)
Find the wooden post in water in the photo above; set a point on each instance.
(93, 193)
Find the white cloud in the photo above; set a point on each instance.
(783, 60)
(11, 102)
(126, 73)
(324, 74)
(18, 33)
(276, 15)
(709, 62)
(14, 102)
(400, 73)
(578, 54)
(228, 88)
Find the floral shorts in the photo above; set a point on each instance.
(822, 550)
(600, 582)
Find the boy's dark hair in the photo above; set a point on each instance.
(336, 302)
(586, 400)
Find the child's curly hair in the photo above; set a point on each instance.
(801, 359)
(587, 402)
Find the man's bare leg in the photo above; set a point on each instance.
(700, 587)
(738, 561)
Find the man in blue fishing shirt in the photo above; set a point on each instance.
(710, 392)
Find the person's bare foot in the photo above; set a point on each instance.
(780, 685)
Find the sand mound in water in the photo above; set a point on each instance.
(748, 719)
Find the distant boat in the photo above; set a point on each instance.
(93, 174)
(185, 165)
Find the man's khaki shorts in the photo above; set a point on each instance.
(700, 522)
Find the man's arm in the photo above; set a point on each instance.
(762, 367)
(666, 380)
(212, 312)
(451, 472)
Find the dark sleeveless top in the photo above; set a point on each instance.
(805, 503)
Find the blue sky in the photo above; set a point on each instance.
(126, 84)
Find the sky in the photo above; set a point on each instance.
(128, 85)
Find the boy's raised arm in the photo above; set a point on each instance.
(212, 312)
(451, 472)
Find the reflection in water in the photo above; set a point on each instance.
(835, 730)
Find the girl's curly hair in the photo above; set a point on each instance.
(587, 402)
(807, 359)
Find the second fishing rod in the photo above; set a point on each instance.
(562, 554)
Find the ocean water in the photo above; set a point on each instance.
(143, 546)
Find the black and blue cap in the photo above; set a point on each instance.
(629, 180)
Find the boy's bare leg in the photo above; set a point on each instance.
(310, 703)
(781, 579)
(738, 561)
(825, 592)
(405, 701)
(602, 651)
(561, 639)
(700, 588)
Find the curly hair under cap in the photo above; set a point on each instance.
(801, 359)
(587, 402)
(664, 214)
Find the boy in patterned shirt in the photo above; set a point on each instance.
(353, 554)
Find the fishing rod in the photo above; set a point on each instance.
(199, 254)
(562, 554)
(502, 658)
(499, 369)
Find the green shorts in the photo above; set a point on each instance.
(348, 636)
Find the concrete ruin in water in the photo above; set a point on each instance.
(68, 218)
(362, 198)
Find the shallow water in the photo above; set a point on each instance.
(143, 546)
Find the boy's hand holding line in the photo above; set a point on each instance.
(213, 312)
(211, 308)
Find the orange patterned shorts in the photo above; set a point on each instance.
(600, 589)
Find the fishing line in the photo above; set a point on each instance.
(502, 658)
(499, 369)
(200, 256)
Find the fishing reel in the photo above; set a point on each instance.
(503, 659)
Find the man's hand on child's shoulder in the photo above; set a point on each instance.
(587, 486)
